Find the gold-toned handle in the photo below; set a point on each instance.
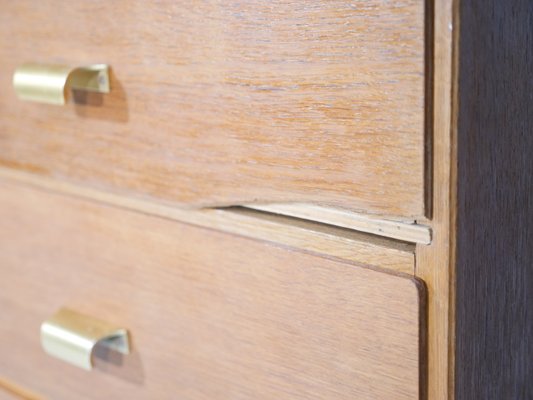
(51, 83)
(72, 337)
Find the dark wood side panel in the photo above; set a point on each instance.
(495, 201)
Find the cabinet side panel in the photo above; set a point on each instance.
(495, 209)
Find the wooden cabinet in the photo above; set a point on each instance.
(222, 103)
(277, 199)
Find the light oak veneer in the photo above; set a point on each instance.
(211, 315)
(12, 391)
(224, 103)
(476, 268)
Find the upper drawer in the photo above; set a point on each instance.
(218, 103)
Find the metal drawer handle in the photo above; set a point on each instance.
(72, 337)
(51, 83)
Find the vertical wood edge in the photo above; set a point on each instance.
(434, 261)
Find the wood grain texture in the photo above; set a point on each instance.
(12, 391)
(224, 103)
(211, 315)
(6, 394)
(313, 237)
(494, 324)
(435, 262)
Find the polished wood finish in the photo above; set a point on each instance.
(494, 269)
(227, 103)
(211, 315)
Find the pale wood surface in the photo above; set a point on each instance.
(6, 394)
(401, 230)
(435, 263)
(309, 236)
(224, 103)
(211, 315)
(494, 270)
(12, 391)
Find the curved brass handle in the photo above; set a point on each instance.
(72, 337)
(51, 83)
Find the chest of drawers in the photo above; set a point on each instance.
(273, 200)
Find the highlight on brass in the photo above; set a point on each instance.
(51, 84)
(72, 337)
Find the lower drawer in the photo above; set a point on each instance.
(210, 315)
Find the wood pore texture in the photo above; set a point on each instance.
(223, 103)
(494, 349)
(211, 315)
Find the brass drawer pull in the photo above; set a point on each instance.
(72, 337)
(51, 83)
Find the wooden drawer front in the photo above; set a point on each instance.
(211, 315)
(217, 103)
